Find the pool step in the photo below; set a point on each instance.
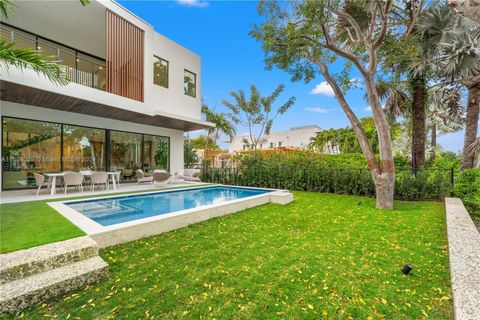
(20, 294)
(23, 263)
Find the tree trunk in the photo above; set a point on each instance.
(383, 171)
(418, 121)
(473, 109)
(384, 189)
(434, 141)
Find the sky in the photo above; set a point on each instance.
(232, 60)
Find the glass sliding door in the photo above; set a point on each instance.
(125, 153)
(156, 153)
(83, 148)
(27, 147)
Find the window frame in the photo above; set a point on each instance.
(168, 72)
(195, 82)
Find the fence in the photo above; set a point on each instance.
(411, 184)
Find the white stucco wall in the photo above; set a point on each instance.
(45, 17)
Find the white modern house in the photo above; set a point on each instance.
(297, 137)
(131, 96)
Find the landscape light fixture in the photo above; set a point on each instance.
(407, 268)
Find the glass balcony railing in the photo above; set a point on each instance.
(81, 68)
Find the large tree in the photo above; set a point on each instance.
(257, 112)
(305, 38)
(453, 49)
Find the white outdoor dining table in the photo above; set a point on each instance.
(52, 179)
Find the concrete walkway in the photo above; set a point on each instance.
(464, 252)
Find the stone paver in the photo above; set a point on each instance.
(464, 252)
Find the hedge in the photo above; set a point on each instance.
(304, 172)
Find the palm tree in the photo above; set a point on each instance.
(445, 113)
(221, 121)
(475, 149)
(454, 53)
(23, 58)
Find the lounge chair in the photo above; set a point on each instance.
(143, 177)
(161, 177)
(190, 175)
(73, 179)
(99, 178)
(40, 181)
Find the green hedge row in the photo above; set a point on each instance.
(305, 173)
(467, 187)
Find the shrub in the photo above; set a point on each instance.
(467, 188)
(342, 174)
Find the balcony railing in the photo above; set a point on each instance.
(81, 68)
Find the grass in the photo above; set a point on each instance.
(29, 224)
(322, 257)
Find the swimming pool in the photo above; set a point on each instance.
(110, 211)
(111, 220)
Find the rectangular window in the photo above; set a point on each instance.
(190, 83)
(160, 72)
(83, 148)
(125, 153)
(280, 143)
(155, 153)
(29, 147)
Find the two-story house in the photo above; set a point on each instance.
(132, 94)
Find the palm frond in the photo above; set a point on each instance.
(6, 7)
(23, 58)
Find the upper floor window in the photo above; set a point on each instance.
(189, 83)
(160, 72)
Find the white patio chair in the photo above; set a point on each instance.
(40, 182)
(161, 177)
(100, 178)
(73, 179)
(143, 177)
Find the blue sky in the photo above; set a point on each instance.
(232, 60)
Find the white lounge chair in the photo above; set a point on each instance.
(143, 177)
(190, 175)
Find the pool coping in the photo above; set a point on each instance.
(135, 229)
(464, 255)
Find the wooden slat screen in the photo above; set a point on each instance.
(124, 55)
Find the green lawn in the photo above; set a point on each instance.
(29, 224)
(322, 257)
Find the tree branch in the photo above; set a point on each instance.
(357, 127)
(353, 23)
(383, 29)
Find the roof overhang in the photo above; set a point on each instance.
(18, 93)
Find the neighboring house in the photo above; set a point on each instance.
(133, 94)
(298, 137)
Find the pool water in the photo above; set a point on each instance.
(109, 211)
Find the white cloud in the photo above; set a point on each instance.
(368, 109)
(323, 88)
(193, 3)
(316, 110)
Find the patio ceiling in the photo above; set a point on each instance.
(14, 92)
